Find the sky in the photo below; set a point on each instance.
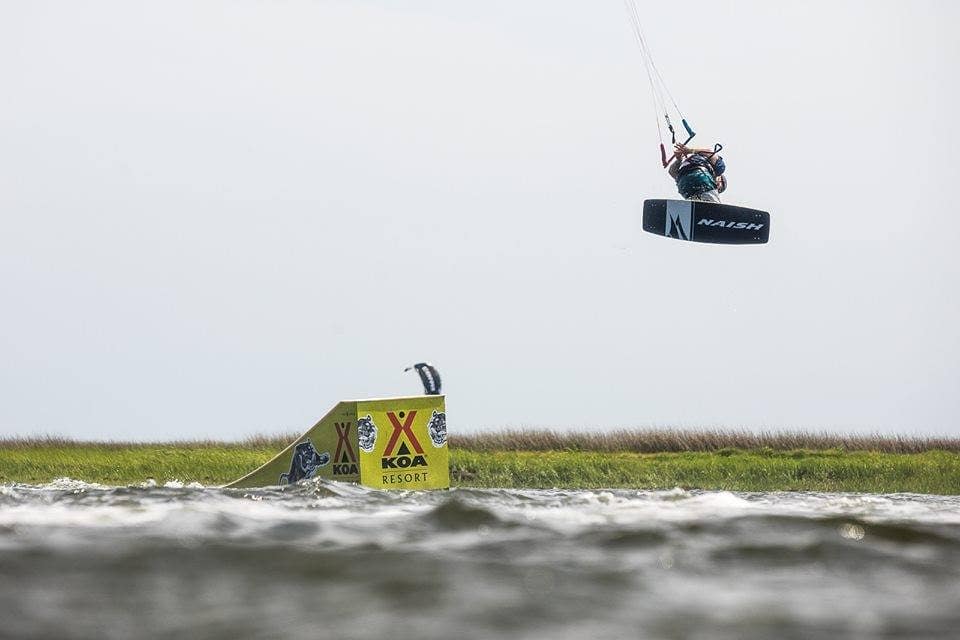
(218, 218)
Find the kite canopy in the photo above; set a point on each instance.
(429, 376)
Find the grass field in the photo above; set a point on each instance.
(935, 472)
(543, 459)
(702, 440)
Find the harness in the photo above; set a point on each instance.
(695, 162)
(697, 175)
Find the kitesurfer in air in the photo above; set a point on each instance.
(698, 172)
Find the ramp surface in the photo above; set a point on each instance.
(385, 443)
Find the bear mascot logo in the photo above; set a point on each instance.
(306, 460)
(366, 433)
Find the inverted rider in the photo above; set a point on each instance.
(698, 172)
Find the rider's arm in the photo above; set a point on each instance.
(674, 167)
(679, 153)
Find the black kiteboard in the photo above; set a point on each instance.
(706, 222)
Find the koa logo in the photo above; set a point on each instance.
(345, 458)
(400, 457)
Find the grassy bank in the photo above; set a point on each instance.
(569, 464)
(702, 440)
(123, 464)
(733, 470)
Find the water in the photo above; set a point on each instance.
(325, 560)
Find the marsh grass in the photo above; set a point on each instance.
(736, 461)
(934, 472)
(257, 441)
(124, 464)
(612, 441)
(698, 440)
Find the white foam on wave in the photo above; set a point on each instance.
(179, 484)
(68, 512)
(69, 484)
(571, 511)
(878, 508)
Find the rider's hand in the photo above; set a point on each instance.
(681, 149)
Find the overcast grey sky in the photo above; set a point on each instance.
(219, 218)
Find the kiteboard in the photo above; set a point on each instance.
(706, 222)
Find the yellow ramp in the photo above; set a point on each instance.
(385, 443)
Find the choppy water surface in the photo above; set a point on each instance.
(329, 560)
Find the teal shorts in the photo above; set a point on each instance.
(695, 183)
